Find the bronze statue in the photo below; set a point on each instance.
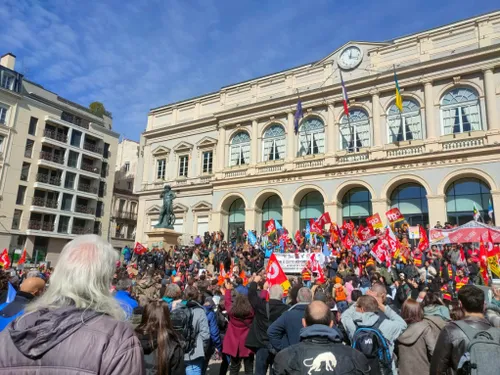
(167, 217)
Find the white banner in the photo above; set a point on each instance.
(291, 263)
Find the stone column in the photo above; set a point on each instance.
(437, 209)
(250, 218)
(290, 219)
(290, 138)
(429, 111)
(380, 206)
(490, 98)
(254, 154)
(377, 131)
(221, 149)
(331, 135)
(333, 209)
(495, 199)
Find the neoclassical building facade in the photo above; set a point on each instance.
(234, 159)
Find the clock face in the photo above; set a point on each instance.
(350, 57)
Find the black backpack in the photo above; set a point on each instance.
(182, 323)
(375, 347)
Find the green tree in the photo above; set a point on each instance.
(97, 108)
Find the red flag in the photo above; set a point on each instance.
(365, 234)
(483, 261)
(375, 221)
(349, 227)
(315, 227)
(298, 237)
(270, 227)
(462, 256)
(424, 240)
(348, 242)
(492, 249)
(379, 251)
(4, 259)
(316, 268)
(394, 215)
(139, 249)
(275, 274)
(324, 219)
(22, 260)
(334, 233)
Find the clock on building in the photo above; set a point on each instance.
(350, 57)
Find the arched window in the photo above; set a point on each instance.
(461, 198)
(355, 131)
(406, 125)
(311, 137)
(357, 205)
(311, 207)
(273, 147)
(240, 149)
(412, 202)
(460, 111)
(272, 208)
(236, 221)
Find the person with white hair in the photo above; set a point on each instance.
(265, 314)
(76, 326)
(285, 331)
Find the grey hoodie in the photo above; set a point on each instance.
(438, 310)
(70, 340)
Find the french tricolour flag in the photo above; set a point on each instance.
(344, 95)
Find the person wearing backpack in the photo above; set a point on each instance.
(416, 344)
(191, 324)
(369, 320)
(471, 345)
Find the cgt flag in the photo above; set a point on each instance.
(394, 215)
(22, 260)
(275, 274)
(270, 227)
(139, 249)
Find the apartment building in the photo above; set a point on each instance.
(55, 177)
(235, 161)
(125, 202)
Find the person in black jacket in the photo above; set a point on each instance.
(320, 349)
(163, 353)
(452, 342)
(265, 314)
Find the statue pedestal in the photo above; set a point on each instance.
(162, 238)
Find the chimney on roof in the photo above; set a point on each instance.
(8, 61)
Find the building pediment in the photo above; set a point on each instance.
(202, 206)
(180, 208)
(161, 150)
(153, 210)
(183, 146)
(206, 142)
(364, 46)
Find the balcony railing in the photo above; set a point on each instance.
(58, 136)
(90, 168)
(40, 225)
(353, 157)
(46, 179)
(45, 155)
(81, 230)
(83, 209)
(125, 215)
(43, 202)
(92, 148)
(86, 188)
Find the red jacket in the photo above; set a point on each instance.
(237, 332)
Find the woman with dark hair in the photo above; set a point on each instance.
(415, 345)
(240, 319)
(163, 354)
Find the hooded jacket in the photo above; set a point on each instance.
(174, 356)
(285, 331)
(415, 347)
(10, 311)
(70, 341)
(320, 351)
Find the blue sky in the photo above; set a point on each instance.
(137, 55)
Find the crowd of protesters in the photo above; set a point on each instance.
(179, 310)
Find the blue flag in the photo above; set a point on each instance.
(11, 294)
(251, 238)
(278, 225)
(268, 253)
(308, 231)
(298, 115)
(326, 250)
